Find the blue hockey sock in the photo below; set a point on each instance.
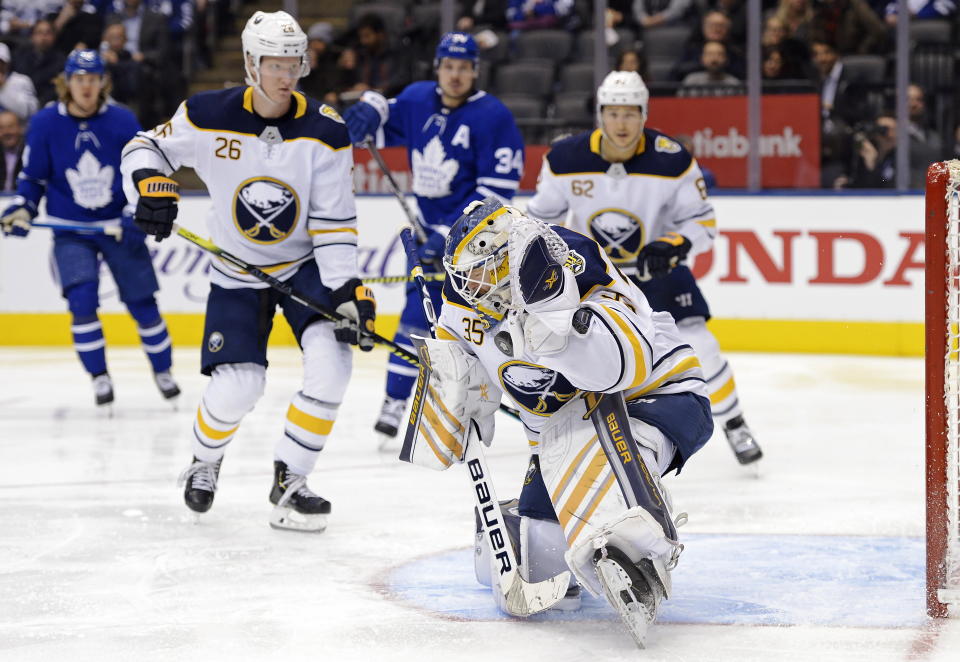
(89, 343)
(153, 333)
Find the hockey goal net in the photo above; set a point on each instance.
(943, 387)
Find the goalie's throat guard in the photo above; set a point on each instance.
(608, 413)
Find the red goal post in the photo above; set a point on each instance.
(943, 387)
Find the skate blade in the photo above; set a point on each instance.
(386, 443)
(634, 615)
(287, 519)
(105, 410)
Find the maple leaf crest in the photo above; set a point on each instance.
(432, 170)
(92, 185)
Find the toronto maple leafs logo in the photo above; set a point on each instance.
(91, 183)
(432, 170)
(265, 210)
(536, 389)
(619, 232)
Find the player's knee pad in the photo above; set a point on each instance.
(326, 364)
(694, 332)
(144, 311)
(82, 299)
(233, 390)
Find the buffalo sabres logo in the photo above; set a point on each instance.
(265, 210)
(536, 389)
(215, 343)
(619, 232)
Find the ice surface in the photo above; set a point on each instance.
(820, 558)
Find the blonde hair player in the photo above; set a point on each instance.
(277, 165)
(641, 196)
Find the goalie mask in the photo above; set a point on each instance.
(476, 257)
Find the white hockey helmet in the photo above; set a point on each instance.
(275, 34)
(623, 88)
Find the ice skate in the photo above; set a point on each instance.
(742, 441)
(297, 507)
(200, 481)
(103, 392)
(168, 387)
(388, 423)
(633, 590)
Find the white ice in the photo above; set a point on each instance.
(99, 559)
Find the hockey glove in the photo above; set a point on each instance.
(657, 258)
(18, 217)
(431, 251)
(359, 309)
(364, 118)
(157, 207)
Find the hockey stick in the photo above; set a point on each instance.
(283, 287)
(402, 279)
(517, 596)
(111, 230)
(411, 217)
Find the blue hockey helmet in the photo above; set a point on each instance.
(84, 61)
(476, 257)
(459, 46)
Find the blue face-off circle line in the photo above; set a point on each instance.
(751, 580)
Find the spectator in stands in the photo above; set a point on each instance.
(921, 127)
(794, 53)
(633, 60)
(40, 61)
(537, 14)
(840, 109)
(11, 142)
(147, 41)
(373, 62)
(875, 158)
(714, 26)
(736, 11)
(651, 13)
(956, 143)
(484, 14)
(124, 70)
(78, 25)
(714, 80)
(850, 25)
(18, 16)
(922, 9)
(796, 16)
(17, 93)
(326, 78)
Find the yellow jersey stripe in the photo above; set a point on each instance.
(640, 374)
(686, 364)
(308, 422)
(443, 334)
(571, 469)
(213, 433)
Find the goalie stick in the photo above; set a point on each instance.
(516, 595)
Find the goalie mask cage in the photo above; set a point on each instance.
(943, 387)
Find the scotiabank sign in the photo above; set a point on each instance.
(789, 136)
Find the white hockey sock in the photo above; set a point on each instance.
(305, 432)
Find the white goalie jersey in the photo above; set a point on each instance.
(624, 206)
(281, 190)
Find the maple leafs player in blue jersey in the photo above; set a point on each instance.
(72, 157)
(463, 145)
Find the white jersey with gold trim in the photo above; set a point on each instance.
(281, 190)
(627, 347)
(624, 206)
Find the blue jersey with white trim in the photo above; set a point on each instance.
(456, 155)
(627, 346)
(75, 162)
(281, 190)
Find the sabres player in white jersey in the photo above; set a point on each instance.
(539, 313)
(278, 169)
(463, 145)
(641, 196)
(72, 158)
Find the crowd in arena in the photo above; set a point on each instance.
(537, 56)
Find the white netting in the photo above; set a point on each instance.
(952, 377)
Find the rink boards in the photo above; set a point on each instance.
(794, 273)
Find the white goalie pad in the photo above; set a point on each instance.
(453, 395)
(588, 499)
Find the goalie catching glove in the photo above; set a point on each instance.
(457, 399)
(157, 206)
(657, 258)
(355, 302)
